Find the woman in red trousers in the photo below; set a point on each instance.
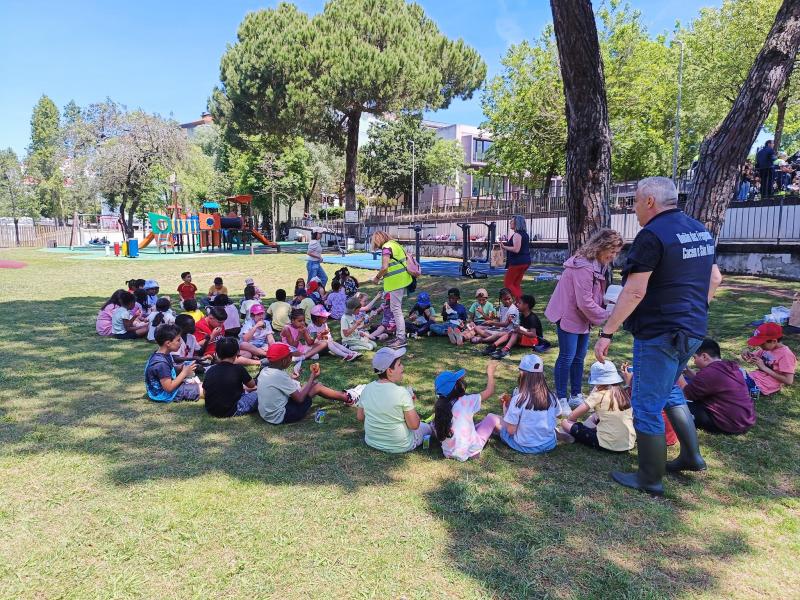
(518, 255)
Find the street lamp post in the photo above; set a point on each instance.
(677, 119)
(8, 174)
(413, 180)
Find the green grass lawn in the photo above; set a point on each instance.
(105, 494)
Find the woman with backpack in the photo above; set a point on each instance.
(396, 272)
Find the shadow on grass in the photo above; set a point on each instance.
(524, 527)
(87, 397)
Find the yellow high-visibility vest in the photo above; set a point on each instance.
(397, 276)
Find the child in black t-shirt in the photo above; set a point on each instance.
(527, 334)
(229, 389)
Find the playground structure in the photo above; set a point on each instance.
(206, 231)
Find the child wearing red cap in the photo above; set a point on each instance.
(282, 399)
(775, 363)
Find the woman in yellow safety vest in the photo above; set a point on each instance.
(395, 279)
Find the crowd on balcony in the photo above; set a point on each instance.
(773, 173)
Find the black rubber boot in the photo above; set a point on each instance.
(652, 457)
(689, 458)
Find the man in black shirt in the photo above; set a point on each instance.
(224, 384)
(765, 163)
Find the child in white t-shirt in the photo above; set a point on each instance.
(529, 419)
(493, 329)
(455, 411)
(161, 315)
(256, 330)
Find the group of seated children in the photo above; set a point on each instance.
(719, 393)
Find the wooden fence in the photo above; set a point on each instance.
(35, 236)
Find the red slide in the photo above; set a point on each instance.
(263, 240)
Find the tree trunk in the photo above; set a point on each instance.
(588, 165)
(726, 148)
(307, 197)
(780, 105)
(351, 166)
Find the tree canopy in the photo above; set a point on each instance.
(291, 74)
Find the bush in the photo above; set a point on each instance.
(335, 212)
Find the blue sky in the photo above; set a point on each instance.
(164, 56)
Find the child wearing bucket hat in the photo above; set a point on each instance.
(775, 363)
(323, 340)
(481, 310)
(529, 419)
(391, 423)
(611, 425)
(455, 411)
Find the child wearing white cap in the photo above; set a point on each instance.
(454, 414)
(529, 419)
(611, 425)
(259, 293)
(391, 423)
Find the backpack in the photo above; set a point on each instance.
(412, 266)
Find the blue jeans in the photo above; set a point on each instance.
(744, 191)
(657, 364)
(512, 443)
(572, 348)
(314, 269)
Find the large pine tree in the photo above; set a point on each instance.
(292, 74)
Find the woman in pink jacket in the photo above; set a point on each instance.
(576, 305)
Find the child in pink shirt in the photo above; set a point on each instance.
(455, 410)
(775, 362)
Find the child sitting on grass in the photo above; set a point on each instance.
(279, 311)
(611, 425)
(124, 326)
(323, 340)
(162, 315)
(228, 388)
(529, 418)
(256, 331)
(216, 289)
(189, 348)
(186, 290)
(248, 302)
(391, 423)
(454, 317)
(494, 329)
(336, 300)
(421, 315)
(481, 309)
(353, 334)
(527, 333)
(304, 303)
(190, 308)
(775, 363)
(387, 327)
(232, 322)
(718, 396)
(160, 379)
(281, 399)
(455, 411)
(259, 293)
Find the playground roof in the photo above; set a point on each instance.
(241, 199)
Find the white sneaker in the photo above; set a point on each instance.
(576, 401)
(315, 357)
(564, 410)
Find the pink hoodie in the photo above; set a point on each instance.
(577, 301)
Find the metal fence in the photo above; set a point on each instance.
(775, 221)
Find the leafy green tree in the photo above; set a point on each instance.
(43, 163)
(387, 157)
(15, 198)
(524, 108)
(327, 172)
(316, 77)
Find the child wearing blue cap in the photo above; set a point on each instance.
(454, 414)
(421, 315)
(529, 419)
